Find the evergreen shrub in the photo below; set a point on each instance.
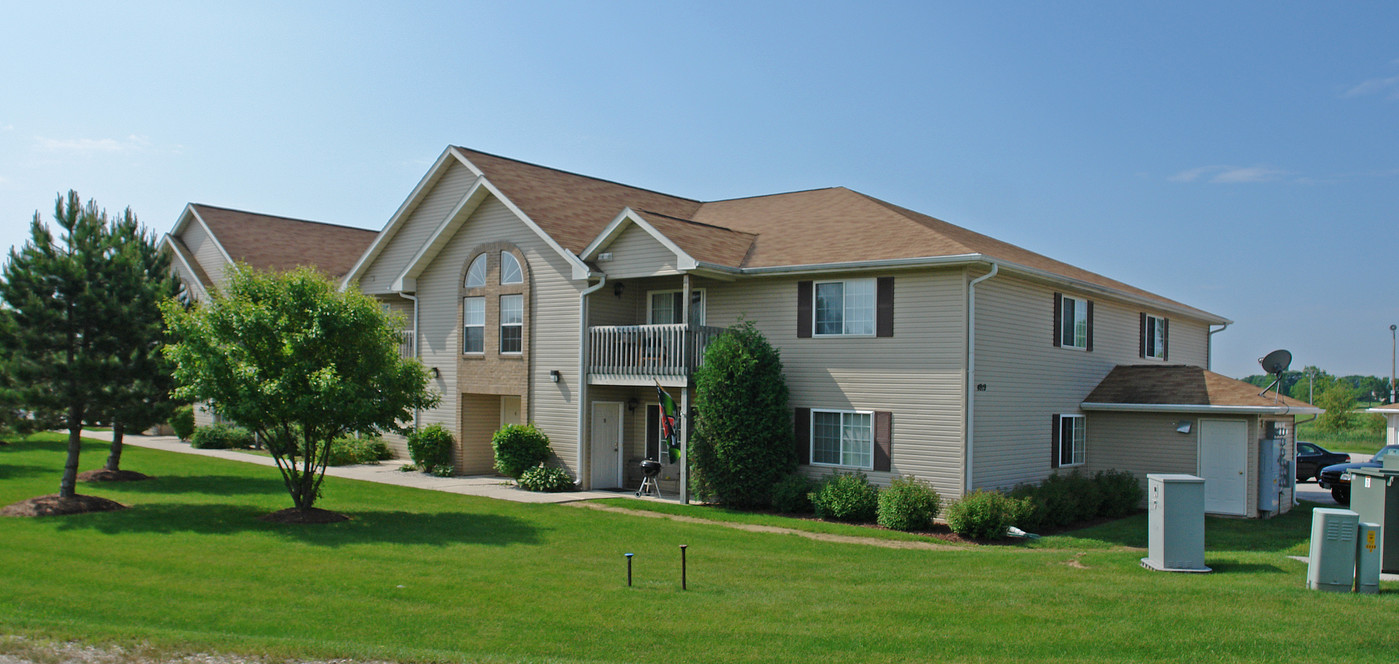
(792, 495)
(182, 422)
(221, 437)
(431, 448)
(519, 447)
(846, 497)
(348, 451)
(908, 504)
(985, 515)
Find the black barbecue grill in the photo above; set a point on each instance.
(650, 468)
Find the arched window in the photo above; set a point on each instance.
(476, 274)
(510, 272)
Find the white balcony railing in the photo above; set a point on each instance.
(648, 350)
(405, 344)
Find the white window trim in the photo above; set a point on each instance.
(1079, 303)
(811, 437)
(518, 268)
(704, 303)
(485, 269)
(502, 325)
(464, 325)
(1147, 340)
(844, 319)
(1078, 455)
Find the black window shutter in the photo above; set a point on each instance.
(1141, 337)
(803, 309)
(884, 307)
(653, 433)
(1054, 436)
(1089, 347)
(883, 439)
(802, 429)
(1058, 319)
(1165, 339)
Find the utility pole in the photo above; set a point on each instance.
(1392, 328)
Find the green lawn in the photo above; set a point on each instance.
(423, 576)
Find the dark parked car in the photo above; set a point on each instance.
(1311, 458)
(1337, 477)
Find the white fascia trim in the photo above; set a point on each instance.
(1206, 410)
(169, 242)
(217, 245)
(404, 210)
(619, 223)
(407, 280)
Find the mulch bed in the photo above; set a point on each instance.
(313, 515)
(52, 505)
(104, 475)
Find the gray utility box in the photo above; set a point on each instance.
(1331, 562)
(1175, 523)
(1374, 495)
(1274, 473)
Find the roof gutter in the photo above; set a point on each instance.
(970, 425)
(417, 413)
(1196, 408)
(966, 259)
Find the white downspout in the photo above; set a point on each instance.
(1209, 348)
(971, 373)
(583, 371)
(416, 345)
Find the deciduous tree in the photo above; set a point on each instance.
(290, 358)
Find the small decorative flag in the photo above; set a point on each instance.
(670, 430)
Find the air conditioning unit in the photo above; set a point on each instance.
(1331, 563)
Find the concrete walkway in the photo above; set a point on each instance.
(387, 472)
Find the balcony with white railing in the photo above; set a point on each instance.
(646, 354)
(406, 346)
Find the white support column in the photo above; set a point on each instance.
(685, 442)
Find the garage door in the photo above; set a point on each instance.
(1223, 465)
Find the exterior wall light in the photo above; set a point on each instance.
(554, 375)
(434, 373)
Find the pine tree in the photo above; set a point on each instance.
(59, 352)
(140, 394)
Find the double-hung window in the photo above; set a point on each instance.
(1074, 316)
(1153, 337)
(1070, 440)
(845, 307)
(473, 324)
(512, 323)
(842, 438)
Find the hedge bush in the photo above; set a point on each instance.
(431, 449)
(221, 437)
(182, 422)
(792, 495)
(349, 451)
(547, 479)
(846, 497)
(986, 515)
(1065, 499)
(519, 447)
(1122, 493)
(908, 504)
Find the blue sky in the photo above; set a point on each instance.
(1239, 157)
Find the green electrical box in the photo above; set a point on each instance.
(1374, 495)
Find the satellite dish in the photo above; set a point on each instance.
(1276, 362)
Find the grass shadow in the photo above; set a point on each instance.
(364, 527)
(14, 471)
(212, 485)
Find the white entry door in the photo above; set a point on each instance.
(606, 438)
(510, 410)
(1224, 465)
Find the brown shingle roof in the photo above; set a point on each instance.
(820, 226)
(1175, 385)
(268, 242)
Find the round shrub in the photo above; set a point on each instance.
(221, 437)
(519, 447)
(547, 479)
(1067, 499)
(1122, 493)
(431, 447)
(350, 451)
(908, 504)
(985, 515)
(182, 422)
(793, 494)
(846, 497)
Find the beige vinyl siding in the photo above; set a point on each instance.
(1189, 342)
(917, 374)
(206, 253)
(553, 318)
(635, 253)
(1028, 379)
(1141, 443)
(417, 228)
(191, 282)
